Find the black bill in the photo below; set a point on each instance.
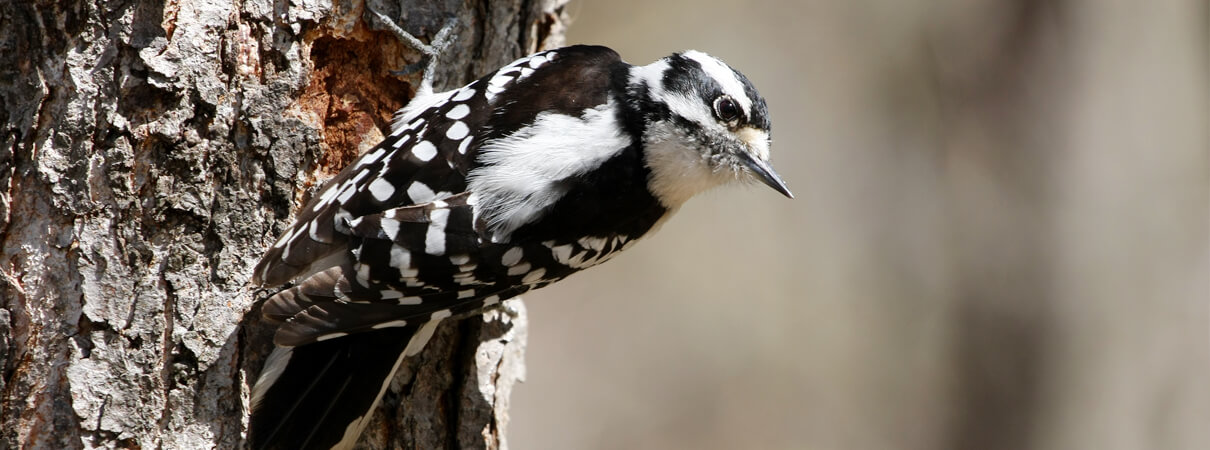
(765, 173)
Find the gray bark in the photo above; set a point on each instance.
(150, 151)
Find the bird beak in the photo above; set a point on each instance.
(764, 173)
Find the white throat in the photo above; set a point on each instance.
(678, 172)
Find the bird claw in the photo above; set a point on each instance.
(509, 308)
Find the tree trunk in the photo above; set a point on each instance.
(151, 151)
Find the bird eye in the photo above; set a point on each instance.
(726, 109)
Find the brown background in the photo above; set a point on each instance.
(999, 240)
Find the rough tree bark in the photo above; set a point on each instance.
(150, 151)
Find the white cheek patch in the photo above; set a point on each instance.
(694, 110)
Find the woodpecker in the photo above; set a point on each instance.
(550, 165)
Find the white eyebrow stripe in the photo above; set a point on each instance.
(725, 77)
(692, 108)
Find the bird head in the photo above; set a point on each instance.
(706, 126)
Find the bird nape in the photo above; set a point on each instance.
(552, 164)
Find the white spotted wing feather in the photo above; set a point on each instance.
(393, 237)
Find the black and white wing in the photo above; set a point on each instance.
(399, 225)
(396, 242)
(424, 158)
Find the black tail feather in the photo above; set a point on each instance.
(313, 393)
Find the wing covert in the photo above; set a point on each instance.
(424, 158)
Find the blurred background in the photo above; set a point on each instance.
(999, 241)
